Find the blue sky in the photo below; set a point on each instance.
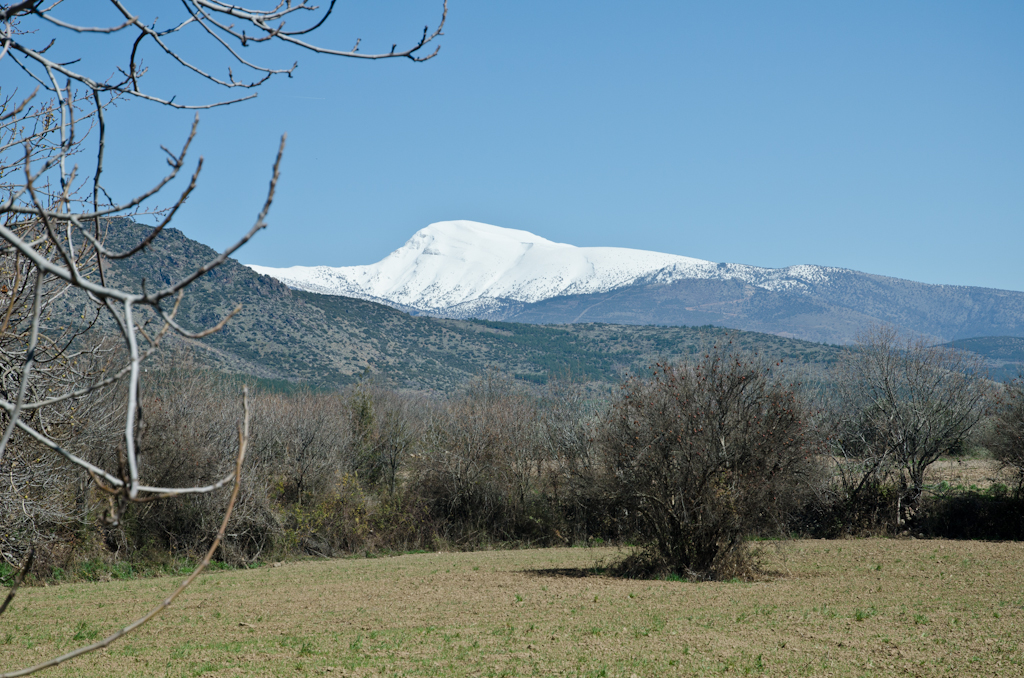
(879, 136)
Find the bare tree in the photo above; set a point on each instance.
(902, 405)
(384, 429)
(1006, 439)
(480, 453)
(53, 216)
(305, 442)
(571, 462)
(703, 454)
(177, 448)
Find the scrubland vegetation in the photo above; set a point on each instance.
(684, 466)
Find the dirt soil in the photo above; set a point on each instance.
(825, 608)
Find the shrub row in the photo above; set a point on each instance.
(686, 463)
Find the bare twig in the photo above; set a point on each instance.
(26, 565)
(243, 439)
(54, 253)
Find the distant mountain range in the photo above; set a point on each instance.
(290, 336)
(465, 269)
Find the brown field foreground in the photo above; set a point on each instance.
(824, 608)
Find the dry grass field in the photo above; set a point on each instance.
(823, 608)
(979, 473)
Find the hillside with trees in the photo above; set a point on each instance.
(323, 340)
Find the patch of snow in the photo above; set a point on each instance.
(470, 269)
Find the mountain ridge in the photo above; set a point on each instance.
(463, 269)
(450, 263)
(287, 335)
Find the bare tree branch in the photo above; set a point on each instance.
(54, 251)
(26, 565)
(243, 439)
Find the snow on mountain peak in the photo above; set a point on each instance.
(472, 265)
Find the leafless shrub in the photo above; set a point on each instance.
(350, 517)
(304, 442)
(41, 505)
(175, 448)
(704, 454)
(899, 406)
(305, 448)
(1006, 438)
(306, 487)
(582, 501)
(478, 465)
(45, 502)
(180, 449)
(385, 427)
(331, 464)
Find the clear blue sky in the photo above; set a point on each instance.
(886, 137)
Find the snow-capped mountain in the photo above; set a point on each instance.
(466, 268)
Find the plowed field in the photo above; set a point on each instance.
(824, 608)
